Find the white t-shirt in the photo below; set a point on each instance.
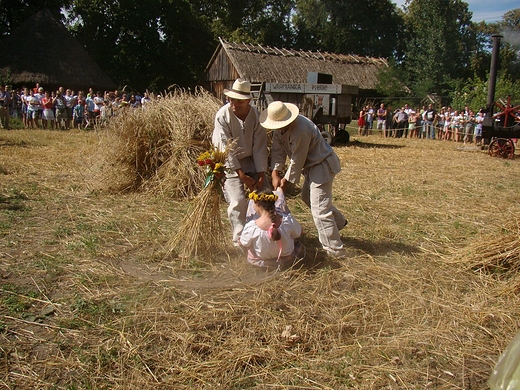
(98, 103)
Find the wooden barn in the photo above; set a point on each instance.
(294, 76)
(41, 50)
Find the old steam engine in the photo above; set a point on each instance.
(500, 129)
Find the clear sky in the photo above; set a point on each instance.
(488, 10)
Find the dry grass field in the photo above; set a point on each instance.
(91, 298)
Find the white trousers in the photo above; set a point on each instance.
(327, 218)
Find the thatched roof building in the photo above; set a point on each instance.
(41, 50)
(263, 64)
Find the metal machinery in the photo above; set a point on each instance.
(500, 128)
(328, 105)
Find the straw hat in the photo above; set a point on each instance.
(241, 90)
(278, 115)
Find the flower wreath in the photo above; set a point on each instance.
(262, 197)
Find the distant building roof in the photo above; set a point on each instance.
(258, 63)
(41, 50)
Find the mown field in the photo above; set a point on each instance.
(90, 297)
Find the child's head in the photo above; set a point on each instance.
(265, 200)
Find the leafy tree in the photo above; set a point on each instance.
(252, 21)
(473, 92)
(143, 46)
(362, 27)
(440, 44)
(15, 12)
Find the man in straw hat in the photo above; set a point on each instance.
(238, 121)
(299, 139)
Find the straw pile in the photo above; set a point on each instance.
(394, 315)
(496, 254)
(154, 149)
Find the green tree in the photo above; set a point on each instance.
(440, 44)
(252, 21)
(362, 27)
(15, 12)
(143, 46)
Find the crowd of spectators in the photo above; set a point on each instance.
(423, 123)
(64, 109)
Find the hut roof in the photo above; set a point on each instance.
(41, 50)
(258, 63)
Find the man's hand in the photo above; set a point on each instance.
(260, 182)
(247, 180)
(278, 181)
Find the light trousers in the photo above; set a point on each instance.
(327, 218)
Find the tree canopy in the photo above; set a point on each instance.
(433, 45)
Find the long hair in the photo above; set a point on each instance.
(266, 199)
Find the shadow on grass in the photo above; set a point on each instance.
(316, 258)
(367, 145)
(379, 248)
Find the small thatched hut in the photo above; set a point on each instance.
(262, 64)
(41, 50)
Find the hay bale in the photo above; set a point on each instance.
(154, 149)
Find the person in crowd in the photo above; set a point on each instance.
(60, 110)
(362, 121)
(369, 124)
(15, 109)
(440, 123)
(270, 233)
(98, 103)
(469, 126)
(145, 99)
(381, 120)
(299, 139)
(78, 114)
(90, 116)
(70, 102)
(478, 127)
(412, 130)
(456, 126)
(40, 94)
(5, 103)
(48, 118)
(408, 110)
(33, 111)
(104, 113)
(24, 97)
(81, 98)
(238, 122)
(447, 124)
(429, 117)
(389, 122)
(134, 101)
(401, 119)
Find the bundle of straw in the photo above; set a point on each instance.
(496, 254)
(201, 230)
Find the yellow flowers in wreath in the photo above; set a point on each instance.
(263, 197)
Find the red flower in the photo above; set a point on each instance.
(208, 161)
(201, 163)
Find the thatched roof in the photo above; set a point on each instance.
(41, 50)
(258, 63)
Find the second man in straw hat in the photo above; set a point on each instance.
(238, 121)
(298, 138)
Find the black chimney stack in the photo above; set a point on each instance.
(493, 72)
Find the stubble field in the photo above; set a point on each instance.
(90, 299)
